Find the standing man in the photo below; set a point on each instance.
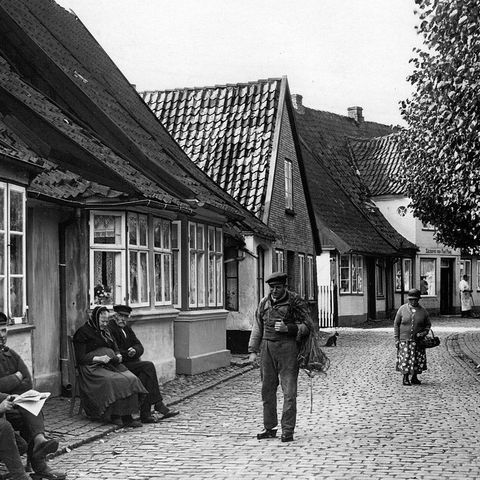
(466, 299)
(281, 320)
(131, 350)
(15, 379)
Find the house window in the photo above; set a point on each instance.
(163, 264)
(12, 252)
(427, 276)
(260, 273)
(279, 261)
(466, 269)
(478, 274)
(215, 267)
(407, 275)
(380, 277)
(288, 185)
(138, 259)
(351, 274)
(310, 278)
(176, 256)
(196, 243)
(107, 258)
(231, 279)
(301, 275)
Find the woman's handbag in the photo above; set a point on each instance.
(430, 342)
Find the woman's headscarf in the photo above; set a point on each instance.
(94, 322)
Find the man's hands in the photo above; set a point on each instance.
(101, 359)
(131, 352)
(7, 404)
(253, 359)
(280, 327)
(19, 375)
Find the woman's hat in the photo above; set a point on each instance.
(414, 293)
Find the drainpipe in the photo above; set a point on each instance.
(62, 228)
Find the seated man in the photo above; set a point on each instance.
(15, 379)
(132, 349)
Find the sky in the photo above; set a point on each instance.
(335, 53)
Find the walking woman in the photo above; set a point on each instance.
(410, 326)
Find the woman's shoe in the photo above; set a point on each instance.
(415, 380)
(406, 381)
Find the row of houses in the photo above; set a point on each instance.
(181, 202)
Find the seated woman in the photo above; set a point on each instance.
(108, 389)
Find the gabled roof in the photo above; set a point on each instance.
(379, 162)
(55, 53)
(227, 130)
(347, 218)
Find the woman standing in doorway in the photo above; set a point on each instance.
(411, 324)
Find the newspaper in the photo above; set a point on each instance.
(31, 401)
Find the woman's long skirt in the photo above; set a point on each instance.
(411, 358)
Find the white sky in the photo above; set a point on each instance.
(336, 53)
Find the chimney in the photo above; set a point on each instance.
(297, 103)
(356, 114)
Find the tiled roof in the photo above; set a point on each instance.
(64, 60)
(348, 219)
(226, 130)
(379, 162)
(52, 181)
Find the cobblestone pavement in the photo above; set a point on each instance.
(364, 423)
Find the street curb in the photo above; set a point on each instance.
(175, 401)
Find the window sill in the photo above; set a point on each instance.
(20, 327)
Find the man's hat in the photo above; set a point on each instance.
(414, 293)
(277, 277)
(125, 309)
(3, 319)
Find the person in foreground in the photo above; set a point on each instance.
(108, 389)
(131, 350)
(410, 326)
(281, 320)
(15, 379)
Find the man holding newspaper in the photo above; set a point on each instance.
(20, 411)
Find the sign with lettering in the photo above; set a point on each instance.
(439, 251)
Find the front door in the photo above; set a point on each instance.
(446, 285)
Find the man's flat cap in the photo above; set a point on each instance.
(125, 309)
(277, 277)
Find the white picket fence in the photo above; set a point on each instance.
(326, 306)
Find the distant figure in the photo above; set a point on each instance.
(332, 340)
(423, 286)
(466, 299)
(411, 324)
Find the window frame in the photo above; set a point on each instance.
(355, 273)
(176, 264)
(422, 261)
(380, 278)
(140, 251)
(164, 251)
(215, 257)
(288, 168)
(7, 232)
(310, 276)
(279, 260)
(301, 275)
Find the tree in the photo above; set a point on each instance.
(441, 145)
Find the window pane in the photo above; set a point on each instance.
(175, 278)
(200, 237)
(174, 235)
(2, 254)
(132, 229)
(407, 272)
(16, 254)
(427, 276)
(218, 280)
(106, 278)
(107, 229)
(211, 240)
(211, 279)
(143, 230)
(157, 233)
(193, 280)
(201, 278)
(344, 273)
(16, 297)
(218, 240)
(16, 211)
(143, 277)
(158, 278)
(133, 277)
(166, 276)
(2, 295)
(2, 208)
(166, 235)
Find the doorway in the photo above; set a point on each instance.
(446, 285)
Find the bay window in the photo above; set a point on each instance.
(12, 252)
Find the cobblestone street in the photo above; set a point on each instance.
(364, 424)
